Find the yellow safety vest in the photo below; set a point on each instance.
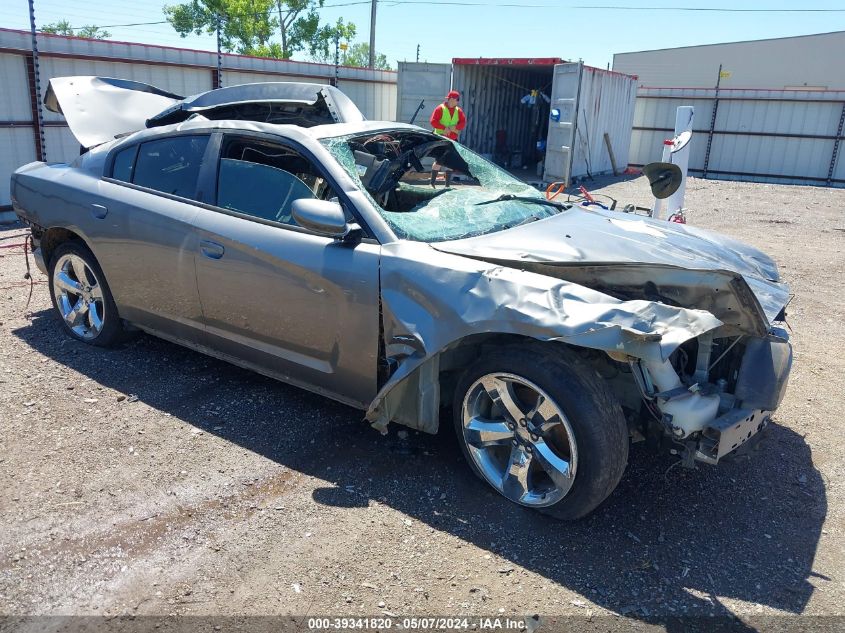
(448, 120)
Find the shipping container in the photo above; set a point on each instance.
(542, 117)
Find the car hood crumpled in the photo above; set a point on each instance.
(431, 300)
(610, 241)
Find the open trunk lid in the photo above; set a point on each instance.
(98, 109)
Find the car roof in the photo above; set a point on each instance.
(294, 132)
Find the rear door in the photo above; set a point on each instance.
(275, 297)
(150, 199)
(418, 82)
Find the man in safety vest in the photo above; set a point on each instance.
(447, 120)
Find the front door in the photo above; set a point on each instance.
(297, 306)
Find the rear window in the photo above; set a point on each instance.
(170, 165)
(123, 163)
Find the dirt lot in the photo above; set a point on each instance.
(153, 480)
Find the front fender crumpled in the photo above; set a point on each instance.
(432, 299)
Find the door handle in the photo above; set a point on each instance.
(99, 211)
(212, 250)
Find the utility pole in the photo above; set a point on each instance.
(36, 86)
(373, 33)
(712, 124)
(219, 81)
(418, 53)
(336, 59)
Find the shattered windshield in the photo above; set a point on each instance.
(430, 189)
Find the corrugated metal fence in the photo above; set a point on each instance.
(777, 136)
(177, 70)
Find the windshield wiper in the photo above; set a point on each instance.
(509, 196)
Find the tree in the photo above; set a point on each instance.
(92, 32)
(246, 26)
(356, 55)
(63, 27)
(359, 55)
(327, 37)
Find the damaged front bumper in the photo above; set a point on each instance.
(758, 391)
(729, 433)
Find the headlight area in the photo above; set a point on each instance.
(713, 396)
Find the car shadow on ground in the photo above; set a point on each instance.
(665, 544)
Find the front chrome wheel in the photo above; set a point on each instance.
(519, 439)
(79, 296)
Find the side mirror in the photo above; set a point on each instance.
(664, 178)
(322, 217)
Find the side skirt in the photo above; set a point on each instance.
(258, 370)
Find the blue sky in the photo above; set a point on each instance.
(544, 29)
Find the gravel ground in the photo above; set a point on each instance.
(150, 479)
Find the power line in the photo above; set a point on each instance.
(461, 3)
(464, 3)
(224, 16)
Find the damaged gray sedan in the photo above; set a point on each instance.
(274, 228)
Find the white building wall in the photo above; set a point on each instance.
(15, 104)
(809, 61)
(777, 136)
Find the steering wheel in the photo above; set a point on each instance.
(554, 190)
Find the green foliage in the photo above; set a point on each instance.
(247, 26)
(63, 27)
(328, 36)
(356, 55)
(359, 55)
(92, 32)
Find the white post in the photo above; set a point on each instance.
(683, 123)
(657, 209)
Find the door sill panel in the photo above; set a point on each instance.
(197, 347)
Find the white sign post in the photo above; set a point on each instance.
(680, 157)
(676, 151)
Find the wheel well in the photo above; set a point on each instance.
(51, 238)
(467, 350)
(464, 352)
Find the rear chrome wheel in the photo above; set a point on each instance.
(79, 296)
(82, 297)
(519, 439)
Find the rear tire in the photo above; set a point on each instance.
(81, 296)
(539, 425)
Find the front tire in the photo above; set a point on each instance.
(539, 425)
(82, 297)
